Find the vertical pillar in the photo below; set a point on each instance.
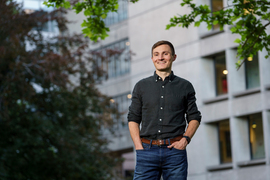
(266, 134)
(264, 65)
(240, 140)
(236, 78)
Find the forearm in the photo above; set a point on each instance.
(192, 128)
(134, 130)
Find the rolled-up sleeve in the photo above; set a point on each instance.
(192, 112)
(135, 109)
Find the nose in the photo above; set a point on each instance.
(160, 56)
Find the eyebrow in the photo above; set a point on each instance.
(162, 52)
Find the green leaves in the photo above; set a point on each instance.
(66, 4)
(209, 27)
(57, 3)
(237, 40)
(245, 17)
(94, 31)
(78, 7)
(95, 12)
(197, 24)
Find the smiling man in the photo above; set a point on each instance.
(161, 105)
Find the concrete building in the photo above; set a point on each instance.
(233, 140)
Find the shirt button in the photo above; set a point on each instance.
(161, 107)
(161, 96)
(159, 131)
(160, 119)
(162, 86)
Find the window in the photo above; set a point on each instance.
(114, 59)
(256, 137)
(219, 153)
(224, 142)
(31, 6)
(120, 15)
(220, 74)
(216, 5)
(252, 72)
(122, 103)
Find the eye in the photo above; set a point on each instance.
(166, 53)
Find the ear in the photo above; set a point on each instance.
(174, 57)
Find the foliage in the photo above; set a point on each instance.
(50, 109)
(249, 19)
(94, 10)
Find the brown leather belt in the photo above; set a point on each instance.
(161, 142)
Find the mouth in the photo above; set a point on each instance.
(161, 62)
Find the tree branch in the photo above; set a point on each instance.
(254, 31)
(253, 43)
(265, 2)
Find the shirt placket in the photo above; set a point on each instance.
(161, 110)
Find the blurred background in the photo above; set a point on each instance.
(233, 140)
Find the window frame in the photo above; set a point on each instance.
(114, 64)
(219, 146)
(249, 136)
(246, 73)
(215, 73)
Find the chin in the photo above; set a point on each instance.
(163, 69)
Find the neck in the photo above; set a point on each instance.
(163, 74)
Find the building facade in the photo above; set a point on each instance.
(233, 140)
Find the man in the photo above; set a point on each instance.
(162, 104)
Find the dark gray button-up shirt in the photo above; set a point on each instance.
(163, 107)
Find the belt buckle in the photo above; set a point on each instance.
(160, 142)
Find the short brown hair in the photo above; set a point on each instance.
(162, 43)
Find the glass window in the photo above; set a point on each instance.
(220, 74)
(224, 142)
(35, 5)
(256, 136)
(120, 15)
(216, 5)
(122, 103)
(31, 6)
(115, 59)
(252, 72)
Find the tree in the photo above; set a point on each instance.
(49, 123)
(94, 10)
(249, 19)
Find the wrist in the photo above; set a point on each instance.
(138, 147)
(187, 138)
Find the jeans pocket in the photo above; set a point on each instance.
(146, 146)
(179, 149)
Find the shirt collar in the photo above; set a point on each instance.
(157, 78)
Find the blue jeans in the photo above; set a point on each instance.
(154, 161)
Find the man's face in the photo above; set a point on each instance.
(163, 58)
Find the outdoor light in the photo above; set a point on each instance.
(129, 96)
(225, 72)
(249, 58)
(112, 100)
(254, 125)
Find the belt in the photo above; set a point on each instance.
(161, 142)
